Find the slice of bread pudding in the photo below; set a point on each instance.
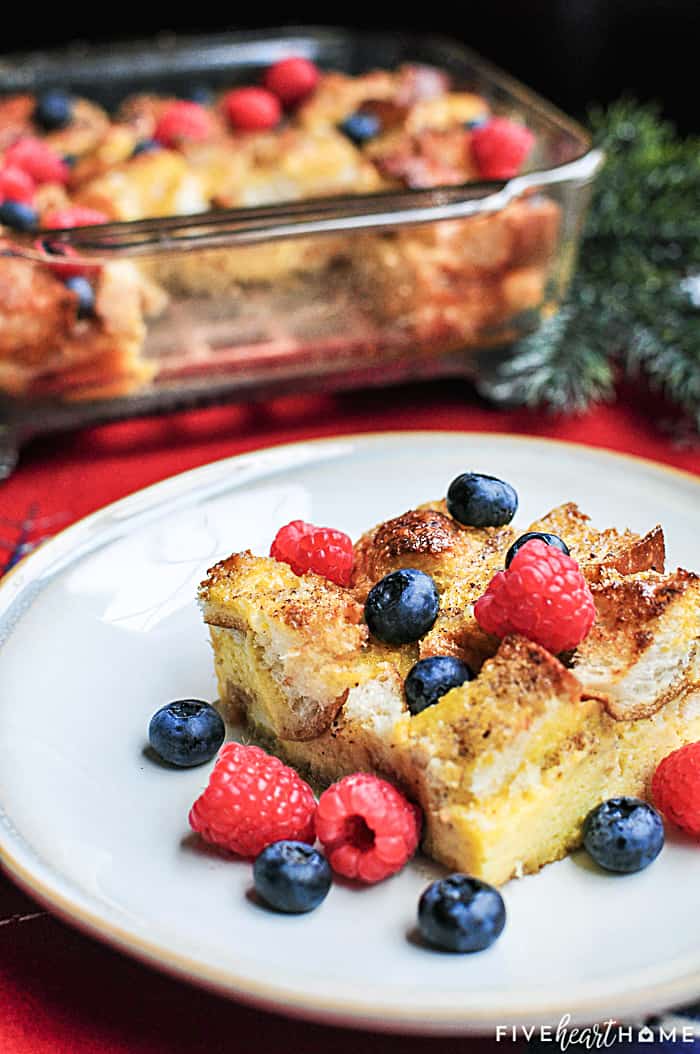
(506, 766)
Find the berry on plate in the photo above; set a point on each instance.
(360, 127)
(324, 551)
(18, 216)
(544, 536)
(500, 147)
(183, 120)
(475, 500)
(292, 876)
(402, 606)
(292, 80)
(368, 829)
(543, 596)
(623, 834)
(252, 800)
(54, 109)
(461, 914)
(16, 185)
(82, 288)
(252, 109)
(675, 788)
(432, 678)
(185, 732)
(37, 158)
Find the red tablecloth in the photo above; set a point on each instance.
(61, 993)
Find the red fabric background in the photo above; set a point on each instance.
(61, 993)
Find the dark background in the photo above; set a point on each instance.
(575, 52)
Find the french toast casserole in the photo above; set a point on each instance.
(506, 766)
(73, 332)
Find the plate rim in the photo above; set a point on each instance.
(645, 999)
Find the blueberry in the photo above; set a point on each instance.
(402, 606)
(18, 216)
(85, 294)
(359, 127)
(476, 122)
(186, 732)
(550, 539)
(623, 834)
(145, 147)
(432, 678)
(54, 109)
(200, 93)
(461, 914)
(291, 876)
(481, 501)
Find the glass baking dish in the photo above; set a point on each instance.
(329, 292)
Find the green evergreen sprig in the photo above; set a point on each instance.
(633, 308)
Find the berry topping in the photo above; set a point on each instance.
(16, 185)
(253, 800)
(402, 606)
(360, 127)
(146, 146)
(186, 732)
(324, 551)
(475, 500)
(544, 536)
(292, 877)
(181, 121)
(500, 147)
(432, 678)
(291, 80)
(542, 595)
(38, 159)
(54, 109)
(368, 829)
(675, 788)
(461, 914)
(623, 834)
(72, 216)
(252, 109)
(200, 93)
(79, 285)
(476, 122)
(18, 216)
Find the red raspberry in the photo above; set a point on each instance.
(16, 185)
(37, 159)
(500, 146)
(675, 788)
(253, 800)
(322, 550)
(73, 216)
(542, 596)
(183, 120)
(291, 80)
(367, 828)
(252, 109)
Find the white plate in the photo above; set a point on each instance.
(99, 628)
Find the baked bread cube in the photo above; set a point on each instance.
(507, 766)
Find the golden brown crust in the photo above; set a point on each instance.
(597, 551)
(37, 311)
(643, 618)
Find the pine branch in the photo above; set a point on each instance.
(634, 303)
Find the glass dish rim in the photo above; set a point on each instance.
(220, 228)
